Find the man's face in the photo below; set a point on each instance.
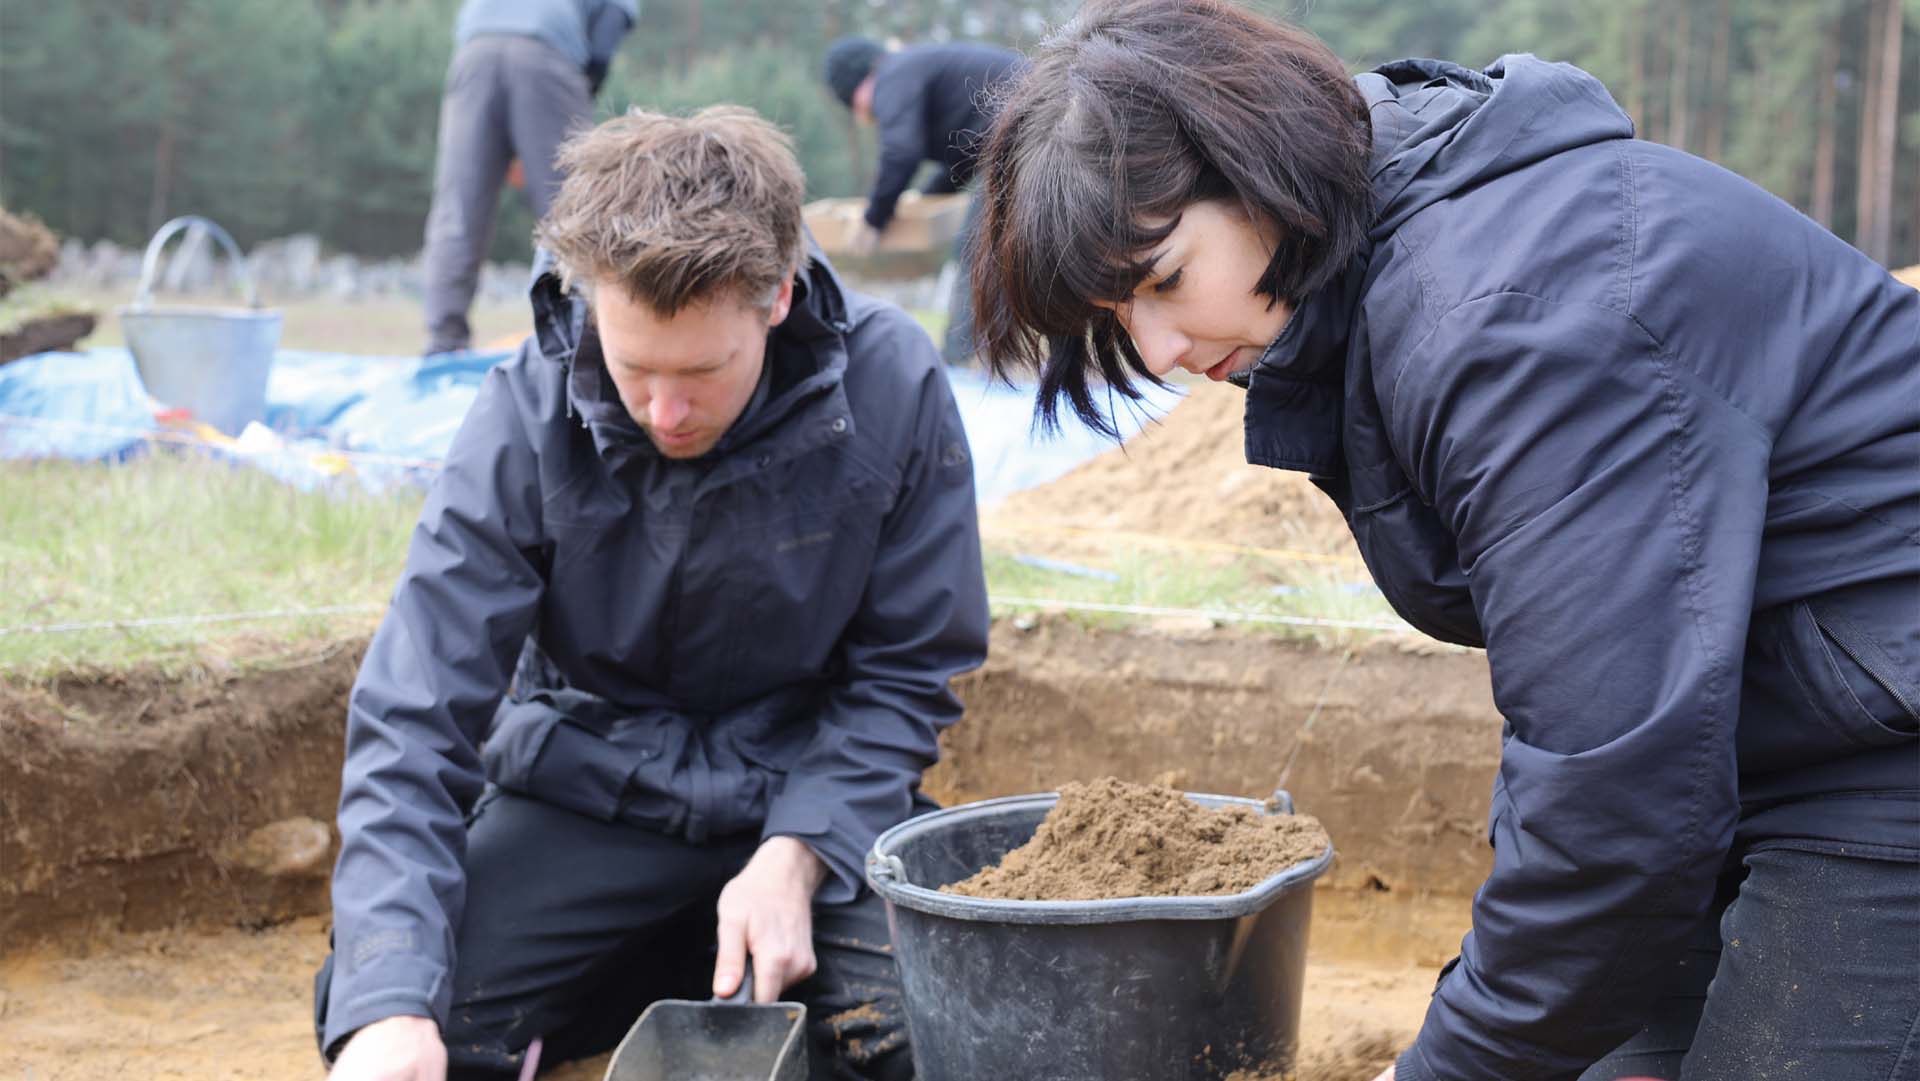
(685, 378)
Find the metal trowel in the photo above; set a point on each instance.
(728, 1039)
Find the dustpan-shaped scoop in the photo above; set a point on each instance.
(722, 1040)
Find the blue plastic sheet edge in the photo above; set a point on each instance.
(381, 422)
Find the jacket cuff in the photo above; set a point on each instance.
(1412, 1066)
(812, 827)
(392, 989)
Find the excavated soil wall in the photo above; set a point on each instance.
(134, 802)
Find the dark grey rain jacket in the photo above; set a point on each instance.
(759, 641)
(1653, 439)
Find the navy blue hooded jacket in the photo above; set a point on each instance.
(1652, 438)
(757, 641)
(928, 104)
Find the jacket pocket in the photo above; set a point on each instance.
(536, 751)
(1850, 679)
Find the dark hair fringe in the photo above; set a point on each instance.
(1130, 113)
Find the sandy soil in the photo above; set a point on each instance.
(237, 1006)
(1109, 838)
(1184, 479)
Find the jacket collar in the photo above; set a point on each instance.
(1296, 391)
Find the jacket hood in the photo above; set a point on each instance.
(806, 356)
(1439, 128)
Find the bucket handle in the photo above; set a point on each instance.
(888, 866)
(143, 297)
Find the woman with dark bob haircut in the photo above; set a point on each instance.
(1645, 433)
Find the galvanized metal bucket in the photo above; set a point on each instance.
(210, 361)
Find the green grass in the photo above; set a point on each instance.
(1246, 592)
(174, 535)
(33, 301)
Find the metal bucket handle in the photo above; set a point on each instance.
(143, 297)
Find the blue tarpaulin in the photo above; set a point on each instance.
(388, 420)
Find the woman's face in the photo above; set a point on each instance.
(1197, 309)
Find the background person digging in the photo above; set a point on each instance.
(1640, 429)
(728, 509)
(928, 102)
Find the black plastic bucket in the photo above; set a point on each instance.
(1161, 988)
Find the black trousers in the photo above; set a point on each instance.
(574, 925)
(1810, 971)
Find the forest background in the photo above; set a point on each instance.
(318, 116)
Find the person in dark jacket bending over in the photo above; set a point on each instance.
(1638, 428)
(928, 104)
(715, 522)
(523, 77)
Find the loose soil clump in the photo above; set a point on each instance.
(52, 331)
(1359, 1058)
(1109, 839)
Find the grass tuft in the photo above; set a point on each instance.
(182, 535)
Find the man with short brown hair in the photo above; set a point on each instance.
(715, 523)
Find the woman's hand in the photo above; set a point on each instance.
(1386, 1075)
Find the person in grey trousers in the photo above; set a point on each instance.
(523, 75)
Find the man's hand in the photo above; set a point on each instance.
(393, 1049)
(864, 240)
(767, 911)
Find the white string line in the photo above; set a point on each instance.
(1005, 602)
(168, 435)
(1206, 613)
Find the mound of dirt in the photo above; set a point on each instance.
(28, 250)
(1111, 839)
(1186, 477)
